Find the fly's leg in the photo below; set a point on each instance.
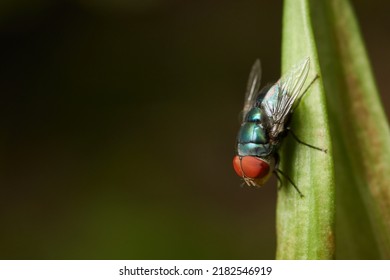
(277, 160)
(304, 92)
(279, 180)
(292, 183)
(277, 170)
(303, 143)
(297, 104)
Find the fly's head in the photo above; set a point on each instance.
(254, 170)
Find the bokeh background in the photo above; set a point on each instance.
(118, 123)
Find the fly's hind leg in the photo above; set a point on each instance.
(304, 92)
(297, 104)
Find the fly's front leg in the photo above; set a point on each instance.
(277, 171)
(277, 160)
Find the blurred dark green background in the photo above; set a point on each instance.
(119, 120)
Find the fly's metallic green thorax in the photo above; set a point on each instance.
(252, 138)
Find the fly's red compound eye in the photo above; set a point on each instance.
(251, 167)
(237, 166)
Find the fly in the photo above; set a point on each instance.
(266, 116)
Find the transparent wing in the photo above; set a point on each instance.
(253, 88)
(280, 98)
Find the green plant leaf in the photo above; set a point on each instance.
(305, 226)
(360, 133)
(327, 32)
